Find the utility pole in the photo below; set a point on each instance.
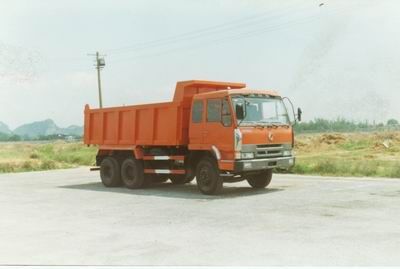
(99, 64)
(98, 79)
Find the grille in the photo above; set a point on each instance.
(269, 151)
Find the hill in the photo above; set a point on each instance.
(45, 128)
(37, 128)
(72, 130)
(4, 129)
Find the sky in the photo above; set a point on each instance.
(332, 58)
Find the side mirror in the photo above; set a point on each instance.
(293, 117)
(239, 112)
(299, 112)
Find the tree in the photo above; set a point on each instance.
(4, 137)
(14, 137)
(392, 122)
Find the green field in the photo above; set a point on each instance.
(352, 154)
(25, 156)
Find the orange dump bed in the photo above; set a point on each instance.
(161, 124)
(158, 124)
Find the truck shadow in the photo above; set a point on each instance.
(168, 190)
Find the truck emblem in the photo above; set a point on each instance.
(271, 137)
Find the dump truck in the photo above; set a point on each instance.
(216, 132)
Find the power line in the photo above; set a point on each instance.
(220, 29)
(270, 28)
(211, 30)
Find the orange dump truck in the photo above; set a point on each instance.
(215, 131)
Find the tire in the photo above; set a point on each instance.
(132, 173)
(261, 180)
(207, 176)
(110, 172)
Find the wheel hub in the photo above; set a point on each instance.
(205, 176)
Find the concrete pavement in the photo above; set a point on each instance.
(67, 217)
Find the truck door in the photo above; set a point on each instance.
(197, 124)
(218, 127)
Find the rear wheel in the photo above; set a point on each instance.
(132, 173)
(110, 172)
(207, 176)
(261, 180)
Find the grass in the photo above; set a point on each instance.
(362, 154)
(352, 154)
(22, 157)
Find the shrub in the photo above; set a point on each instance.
(27, 166)
(7, 167)
(47, 165)
(326, 167)
(34, 155)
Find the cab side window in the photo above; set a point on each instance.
(226, 113)
(197, 111)
(214, 110)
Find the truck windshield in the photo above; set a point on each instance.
(261, 110)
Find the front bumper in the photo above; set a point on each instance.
(263, 164)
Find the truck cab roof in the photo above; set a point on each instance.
(244, 91)
(186, 90)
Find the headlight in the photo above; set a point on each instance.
(287, 153)
(247, 155)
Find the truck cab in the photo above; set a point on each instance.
(248, 131)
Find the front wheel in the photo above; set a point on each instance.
(261, 180)
(207, 176)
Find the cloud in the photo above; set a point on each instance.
(18, 64)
